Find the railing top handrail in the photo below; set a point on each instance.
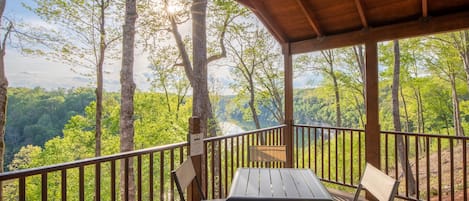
(390, 132)
(243, 133)
(75, 164)
(329, 127)
(426, 135)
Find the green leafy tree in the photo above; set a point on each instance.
(446, 64)
(84, 35)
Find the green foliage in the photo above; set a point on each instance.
(36, 115)
(154, 126)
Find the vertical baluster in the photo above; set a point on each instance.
(257, 137)
(343, 156)
(315, 150)
(150, 175)
(396, 158)
(181, 155)
(282, 137)
(417, 140)
(351, 158)
(439, 169)
(139, 177)
(406, 172)
(81, 185)
(64, 184)
(360, 147)
(213, 168)
(336, 155)
(171, 167)
(464, 162)
(296, 146)
(226, 166)
(113, 180)
(451, 164)
(427, 157)
(237, 152)
(329, 154)
(22, 189)
(322, 153)
(309, 147)
(205, 183)
(233, 152)
(247, 147)
(162, 175)
(232, 156)
(386, 153)
(126, 179)
(303, 147)
(97, 178)
(44, 186)
(219, 169)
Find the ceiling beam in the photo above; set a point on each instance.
(310, 17)
(450, 22)
(263, 14)
(424, 8)
(361, 12)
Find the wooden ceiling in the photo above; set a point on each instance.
(310, 25)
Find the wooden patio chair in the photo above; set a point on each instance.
(380, 185)
(267, 154)
(183, 176)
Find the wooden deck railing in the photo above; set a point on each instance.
(438, 164)
(233, 152)
(101, 176)
(336, 155)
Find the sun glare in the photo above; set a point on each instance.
(173, 9)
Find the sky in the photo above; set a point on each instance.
(31, 71)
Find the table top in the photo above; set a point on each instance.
(277, 184)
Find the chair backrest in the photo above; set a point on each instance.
(380, 185)
(183, 177)
(267, 153)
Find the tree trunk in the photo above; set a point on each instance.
(406, 113)
(421, 125)
(360, 59)
(329, 56)
(127, 97)
(463, 49)
(3, 92)
(410, 181)
(458, 130)
(337, 99)
(201, 105)
(252, 104)
(359, 110)
(99, 78)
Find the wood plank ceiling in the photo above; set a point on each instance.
(310, 25)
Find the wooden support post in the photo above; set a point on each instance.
(288, 71)
(372, 128)
(192, 191)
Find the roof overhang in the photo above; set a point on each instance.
(312, 25)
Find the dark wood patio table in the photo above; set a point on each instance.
(277, 184)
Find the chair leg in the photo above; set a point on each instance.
(357, 193)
